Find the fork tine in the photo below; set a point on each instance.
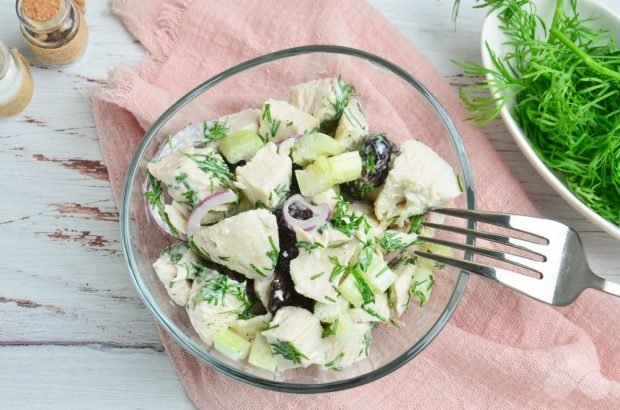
(521, 244)
(521, 283)
(506, 257)
(519, 223)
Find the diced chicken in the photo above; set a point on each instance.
(246, 243)
(311, 271)
(350, 344)
(420, 179)
(248, 328)
(175, 270)
(280, 120)
(329, 312)
(261, 287)
(184, 138)
(423, 282)
(378, 311)
(285, 147)
(366, 209)
(401, 289)
(353, 125)
(247, 119)
(329, 197)
(211, 310)
(327, 236)
(317, 97)
(177, 214)
(192, 175)
(266, 179)
(295, 337)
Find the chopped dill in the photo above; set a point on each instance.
(331, 329)
(288, 351)
(215, 130)
(309, 246)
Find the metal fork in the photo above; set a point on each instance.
(564, 271)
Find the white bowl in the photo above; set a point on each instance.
(492, 35)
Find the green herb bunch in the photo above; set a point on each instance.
(564, 86)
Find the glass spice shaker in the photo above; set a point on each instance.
(16, 86)
(55, 30)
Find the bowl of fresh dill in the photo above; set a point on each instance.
(553, 73)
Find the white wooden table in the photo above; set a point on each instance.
(73, 332)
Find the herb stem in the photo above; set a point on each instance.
(557, 15)
(589, 61)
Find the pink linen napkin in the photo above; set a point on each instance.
(499, 349)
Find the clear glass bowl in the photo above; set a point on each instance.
(394, 102)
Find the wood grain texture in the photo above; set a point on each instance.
(93, 377)
(72, 328)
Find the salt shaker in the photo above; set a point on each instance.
(16, 86)
(55, 30)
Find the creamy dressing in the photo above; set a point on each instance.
(338, 264)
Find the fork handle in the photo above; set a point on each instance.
(606, 286)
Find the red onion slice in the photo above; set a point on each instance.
(153, 214)
(225, 196)
(187, 137)
(294, 137)
(320, 213)
(391, 257)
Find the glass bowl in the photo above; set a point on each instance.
(394, 102)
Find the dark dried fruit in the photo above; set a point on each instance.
(287, 238)
(376, 153)
(282, 291)
(294, 184)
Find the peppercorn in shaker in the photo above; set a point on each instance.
(55, 30)
(16, 85)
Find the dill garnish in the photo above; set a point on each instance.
(215, 130)
(342, 94)
(564, 86)
(288, 351)
(215, 165)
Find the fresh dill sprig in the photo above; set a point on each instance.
(338, 269)
(215, 130)
(418, 286)
(334, 364)
(215, 165)
(347, 221)
(393, 241)
(331, 329)
(342, 95)
(308, 246)
(155, 198)
(214, 290)
(288, 351)
(563, 89)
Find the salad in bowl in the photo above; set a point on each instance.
(295, 227)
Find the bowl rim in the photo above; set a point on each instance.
(192, 347)
(490, 30)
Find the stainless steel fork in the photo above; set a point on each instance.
(562, 265)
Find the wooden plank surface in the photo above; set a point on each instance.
(73, 331)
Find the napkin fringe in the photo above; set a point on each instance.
(170, 21)
(121, 82)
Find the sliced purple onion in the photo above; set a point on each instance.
(294, 137)
(211, 202)
(391, 257)
(319, 213)
(153, 213)
(187, 137)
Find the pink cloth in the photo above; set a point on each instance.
(499, 350)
